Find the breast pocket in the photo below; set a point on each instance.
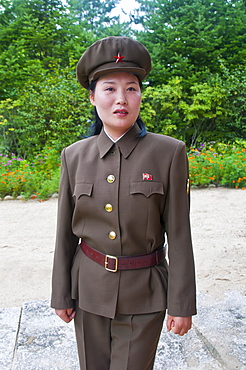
(83, 200)
(82, 189)
(147, 199)
(147, 188)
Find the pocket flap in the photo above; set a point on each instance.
(147, 188)
(82, 188)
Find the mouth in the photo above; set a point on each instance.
(121, 112)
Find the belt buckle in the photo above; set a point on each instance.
(106, 263)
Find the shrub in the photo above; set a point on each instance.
(218, 164)
(39, 176)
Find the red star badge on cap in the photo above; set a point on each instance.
(119, 58)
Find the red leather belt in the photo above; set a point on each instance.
(113, 264)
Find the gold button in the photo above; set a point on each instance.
(111, 179)
(108, 207)
(112, 235)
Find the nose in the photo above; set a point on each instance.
(121, 99)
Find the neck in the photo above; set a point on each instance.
(115, 136)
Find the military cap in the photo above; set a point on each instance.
(113, 54)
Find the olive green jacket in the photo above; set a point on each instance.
(123, 199)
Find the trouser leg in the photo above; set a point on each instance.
(93, 340)
(127, 342)
(134, 341)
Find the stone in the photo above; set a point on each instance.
(216, 340)
(8, 197)
(35, 338)
(9, 324)
(20, 197)
(44, 341)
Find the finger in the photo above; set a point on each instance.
(180, 330)
(70, 311)
(169, 323)
(63, 315)
(176, 330)
(72, 315)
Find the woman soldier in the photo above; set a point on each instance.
(121, 191)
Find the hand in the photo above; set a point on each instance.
(179, 325)
(66, 315)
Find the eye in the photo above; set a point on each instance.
(131, 88)
(109, 89)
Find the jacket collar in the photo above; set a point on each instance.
(126, 144)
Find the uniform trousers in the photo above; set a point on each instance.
(127, 342)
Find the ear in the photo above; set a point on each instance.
(92, 98)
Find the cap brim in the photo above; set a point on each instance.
(85, 82)
(138, 71)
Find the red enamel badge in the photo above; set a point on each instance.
(147, 176)
(119, 58)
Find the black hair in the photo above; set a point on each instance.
(97, 125)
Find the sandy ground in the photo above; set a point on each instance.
(27, 235)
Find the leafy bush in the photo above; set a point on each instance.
(55, 112)
(39, 177)
(219, 164)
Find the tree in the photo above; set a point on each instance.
(35, 36)
(41, 103)
(189, 37)
(202, 44)
(195, 118)
(93, 14)
(55, 112)
(233, 124)
(117, 28)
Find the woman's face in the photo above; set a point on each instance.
(117, 98)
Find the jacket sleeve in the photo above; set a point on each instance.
(66, 243)
(181, 297)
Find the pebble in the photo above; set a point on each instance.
(8, 197)
(20, 197)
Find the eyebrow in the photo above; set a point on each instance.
(112, 82)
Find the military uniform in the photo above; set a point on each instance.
(122, 199)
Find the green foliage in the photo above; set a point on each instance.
(167, 109)
(200, 111)
(233, 125)
(196, 90)
(218, 164)
(21, 177)
(34, 36)
(160, 107)
(56, 112)
(201, 44)
(187, 37)
(207, 111)
(93, 14)
(117, 28)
